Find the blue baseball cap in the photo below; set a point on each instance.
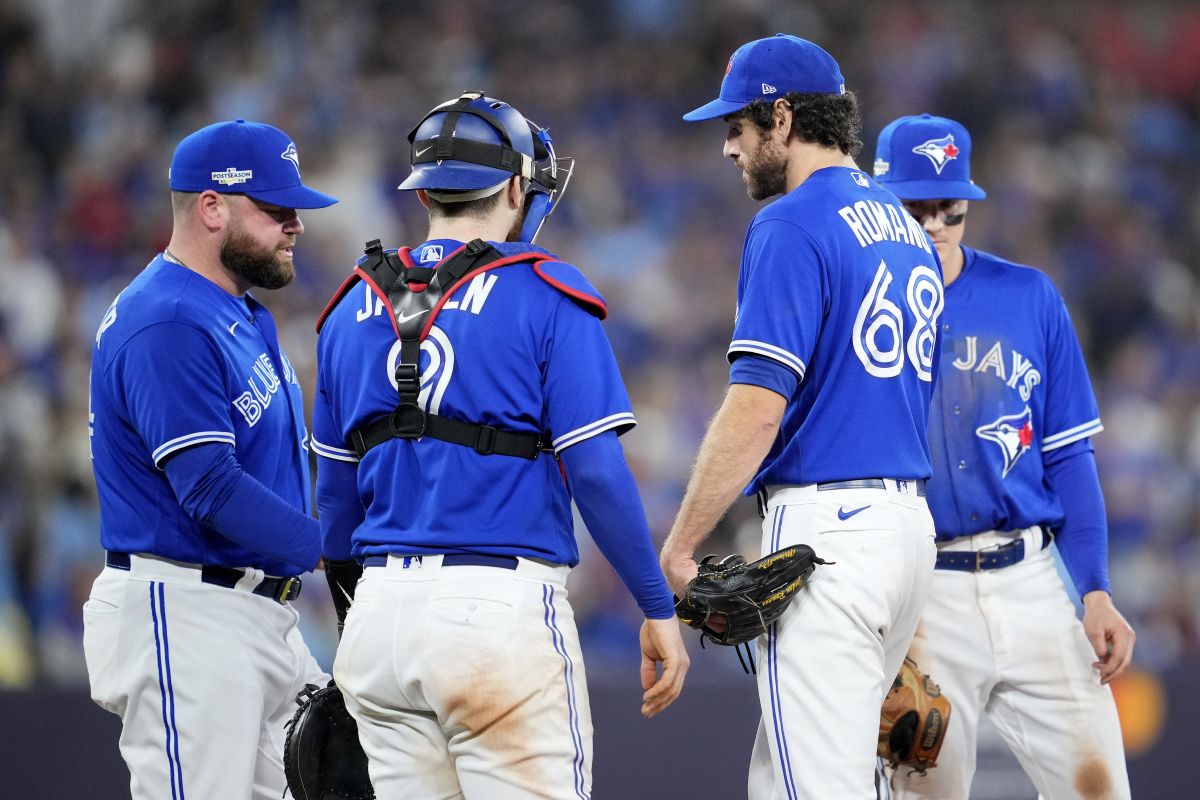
(926, 158)
(769, 69)
(247, 158)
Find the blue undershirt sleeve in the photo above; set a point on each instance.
(215, 491)
(608, 500)
(764, 372)
(338, 506)
(1082, 539)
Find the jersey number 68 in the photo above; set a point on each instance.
(878, 315)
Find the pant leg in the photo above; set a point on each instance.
(1049, 705)
(952, 645)
(825, 666)
(186, 665)
(407, 750)
(289, 674)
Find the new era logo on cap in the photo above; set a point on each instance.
(769, 89)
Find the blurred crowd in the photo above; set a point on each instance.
(1086, 121)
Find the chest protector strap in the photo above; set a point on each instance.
(413, 313)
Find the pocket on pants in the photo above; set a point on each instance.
(102, 654)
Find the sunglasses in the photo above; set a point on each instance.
(922, 211)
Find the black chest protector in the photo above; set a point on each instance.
(413, 312)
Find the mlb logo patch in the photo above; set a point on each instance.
(940, 152)
(412, 562)
(860, 179)
(431, 252)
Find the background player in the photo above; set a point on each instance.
(460, 659)
(1009, 434)
(201, 464)
(831, 436)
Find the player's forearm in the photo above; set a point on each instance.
(608, 500)
(1083, 537)
(738, 439)
(338, 506)
(215, 491)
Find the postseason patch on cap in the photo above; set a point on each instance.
(232, 175)
(881, 167)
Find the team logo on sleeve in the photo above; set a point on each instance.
(940, 152)
(1013, 434)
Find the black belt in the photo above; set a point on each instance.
(869, 483)
(455, 560)
(281, 590)
(992, 558)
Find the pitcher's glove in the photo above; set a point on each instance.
(913, 720)
(322, 757)
(732, 602)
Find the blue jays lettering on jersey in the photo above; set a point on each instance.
(504, 351)
(841, 286)
(177, 362)
(1013, 386)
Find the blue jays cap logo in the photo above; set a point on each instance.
(939, 151)
(1014, 435)
(291, 155)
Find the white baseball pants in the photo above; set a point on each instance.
(467, 682)
(824, 669)
(1007, 643)
(203, 677)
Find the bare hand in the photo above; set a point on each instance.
(679, 571)
(1110, 635)
(661, 643)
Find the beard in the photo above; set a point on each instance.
(264, 267)
(765, 174)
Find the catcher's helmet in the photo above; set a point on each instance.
(466, 148)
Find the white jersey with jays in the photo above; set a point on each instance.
(1013, 387)
(510, 349)
(178, 362)
(841, 286)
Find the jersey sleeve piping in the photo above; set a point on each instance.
(624, 421)
(1072, 435)
(335, 453)
(770, 351)
(179, 443)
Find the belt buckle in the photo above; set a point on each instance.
(285, 591)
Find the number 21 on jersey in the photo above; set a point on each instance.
(878, 334)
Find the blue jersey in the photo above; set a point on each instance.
(842, 287)
(1013, 387)
(178, 362)
(511, 349)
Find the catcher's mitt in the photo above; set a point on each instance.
(913, 720)
(732, 602)
(322, 757)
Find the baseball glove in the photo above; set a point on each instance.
(913, 720)
(731, 602)
(322, 757)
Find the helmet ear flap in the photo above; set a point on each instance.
(540, 205)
